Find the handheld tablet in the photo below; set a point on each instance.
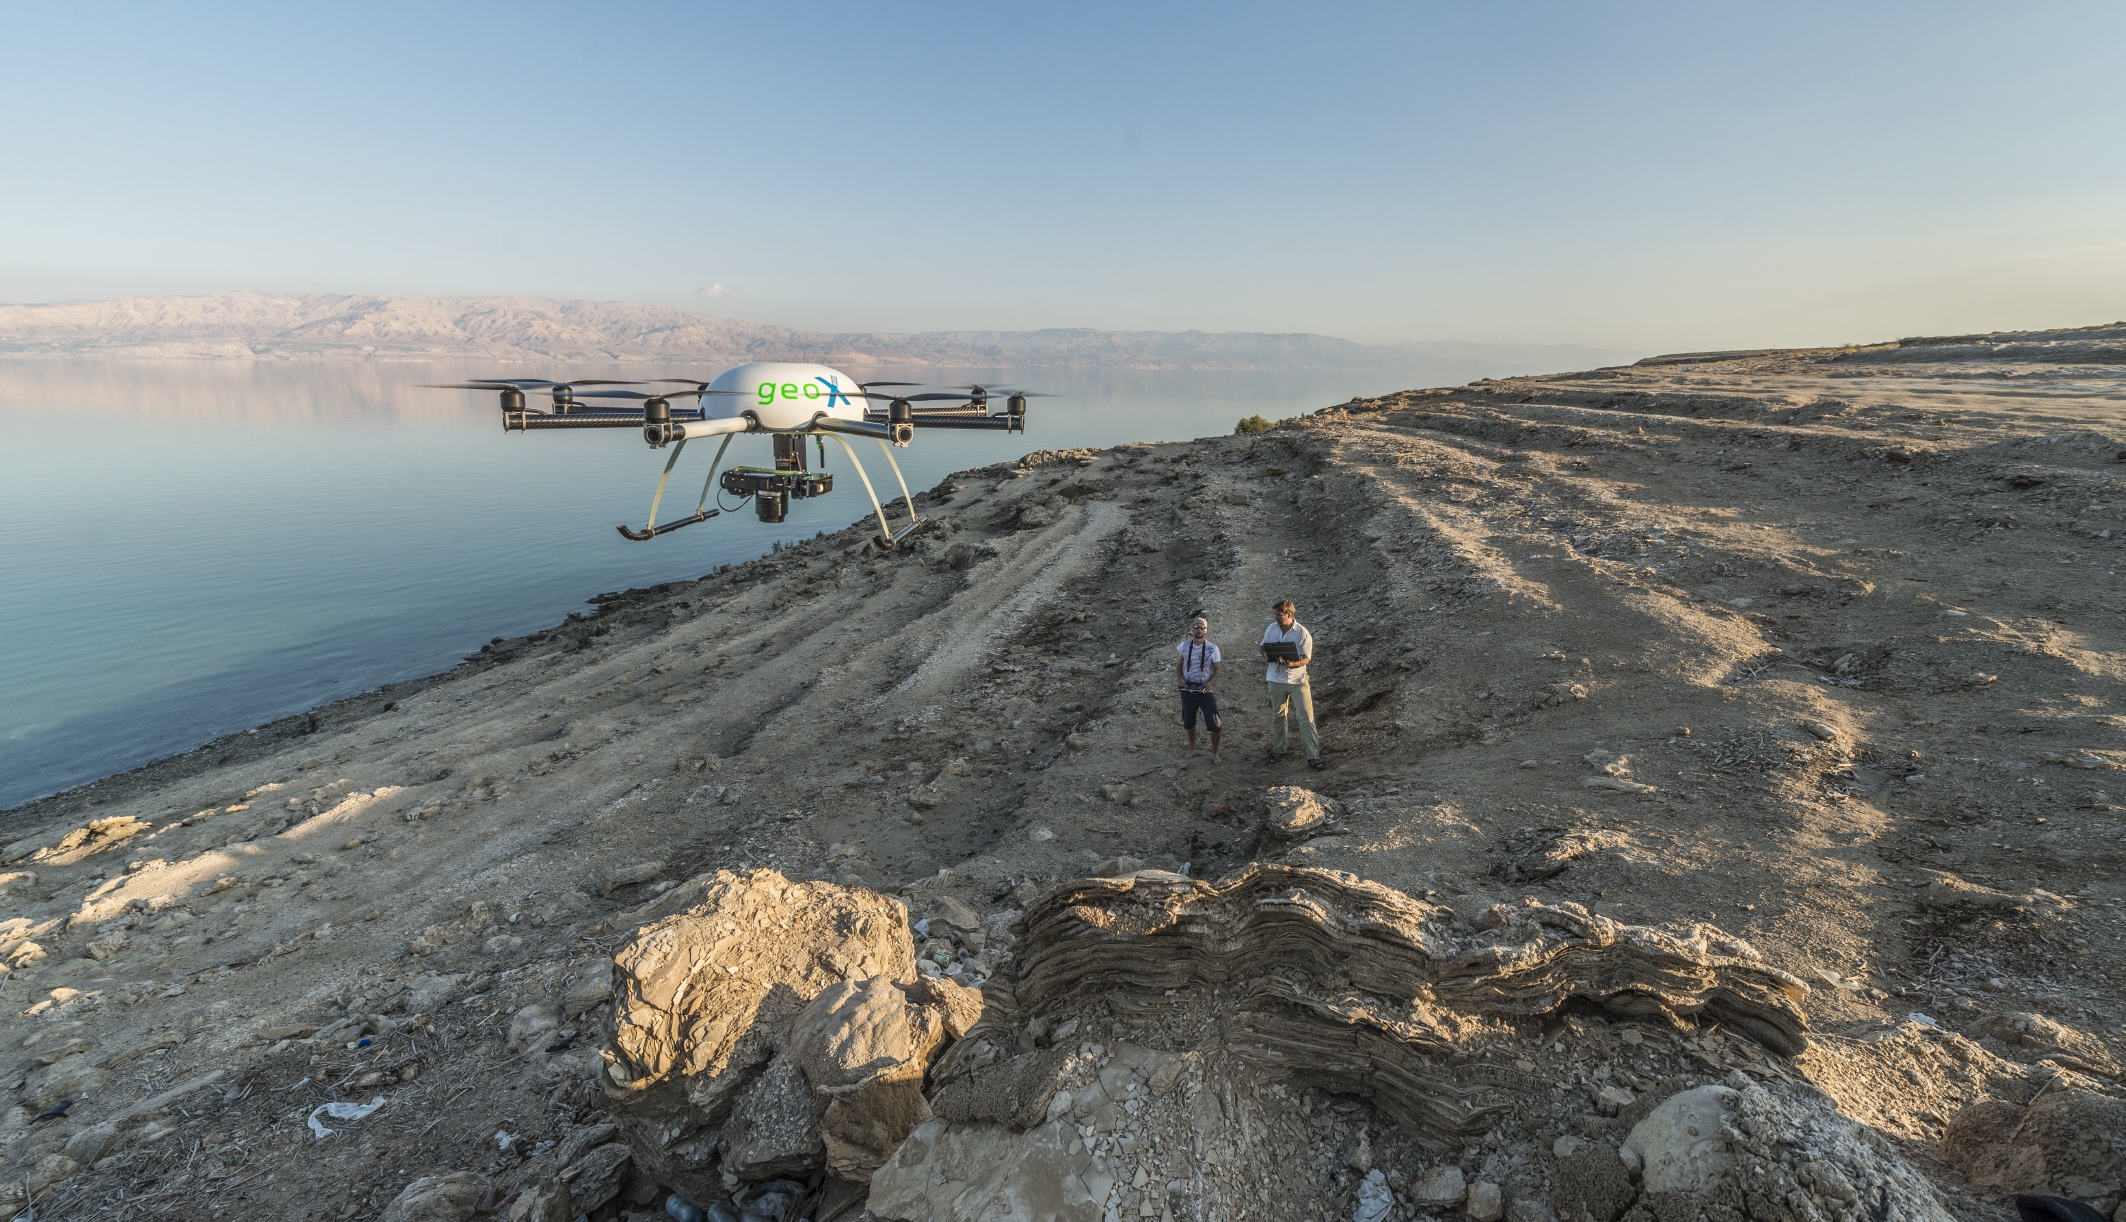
(1283, 651)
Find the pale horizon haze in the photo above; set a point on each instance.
(1637, 176)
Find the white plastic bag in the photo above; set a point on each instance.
(341, 1111)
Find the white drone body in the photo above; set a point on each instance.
(784, 397)
(794, 402)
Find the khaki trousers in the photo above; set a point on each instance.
(1301, 701)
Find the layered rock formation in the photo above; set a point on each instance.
(1313, 981)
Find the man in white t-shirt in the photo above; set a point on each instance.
(1288, 682)
(1196, 670)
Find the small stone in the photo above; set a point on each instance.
(546, 1201)
(1486, 1202)
(1361, 1156)
(438, 1198)
(628, 875)
(1615, 1097)
(1567, 1146)
(1822, 730)
(955, 913)
(1441, 1186)
(529, 1024)
(1530, 764)
(1077, 742)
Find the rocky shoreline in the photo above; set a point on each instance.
(1713, 743)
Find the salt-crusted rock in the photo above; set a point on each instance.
(2067, 1143)
(962, 1006)
(531, 1025)
(1296, 813)
(955, 913)
(1681, 1144)
(1441, 1186)
(429, 993)
(1591, 1184)
(702, 1006)
(546, 1201)
(1486, 1201)
(1549, 850)
(864, 1048)
(628, 875)
(1758, 1154)
(2029, 1037)
(945, 1172)
(438, 1198)
(23, 1187)
(1948, 893)
(599, 1176)
(587, 989)
(772, 1132)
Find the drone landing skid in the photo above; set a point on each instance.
(644, 536)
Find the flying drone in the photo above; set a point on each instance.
(792, 403)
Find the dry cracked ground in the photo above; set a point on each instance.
(1723, 745)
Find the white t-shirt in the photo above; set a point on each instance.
(1197, 660)
(1298, 634)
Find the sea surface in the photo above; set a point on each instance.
(192, 548)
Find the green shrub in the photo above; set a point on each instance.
(1252, 424)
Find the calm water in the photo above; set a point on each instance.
(196, 547)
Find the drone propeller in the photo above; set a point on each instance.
(524, 384)
(869, 385)
(658, 394)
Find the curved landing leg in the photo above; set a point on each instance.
(885, 535)
(701, 514)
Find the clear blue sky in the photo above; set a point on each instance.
(1627, 175)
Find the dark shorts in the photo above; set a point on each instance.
(1206, 701)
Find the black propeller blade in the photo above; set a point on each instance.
(656, 394)
(524, 384)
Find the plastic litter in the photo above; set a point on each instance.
(720, 1212)
(55, 1111)
(1922, 1019)
(683, 1210)
(922, 928)
(341, 1111)
(505, 1139)
(2054, 1209)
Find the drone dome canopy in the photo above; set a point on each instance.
(783, 395)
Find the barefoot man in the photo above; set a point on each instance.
(1196, 670)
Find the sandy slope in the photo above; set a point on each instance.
(1662, 575)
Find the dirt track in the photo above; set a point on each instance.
(1842, 628)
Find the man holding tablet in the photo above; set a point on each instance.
(1287, 646)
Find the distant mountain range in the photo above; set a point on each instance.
(247, 325)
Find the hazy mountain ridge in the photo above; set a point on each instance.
(251, 324)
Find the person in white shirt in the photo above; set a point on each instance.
(1196, 670)
(1288, 684)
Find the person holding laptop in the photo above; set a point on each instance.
(1287, 646)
